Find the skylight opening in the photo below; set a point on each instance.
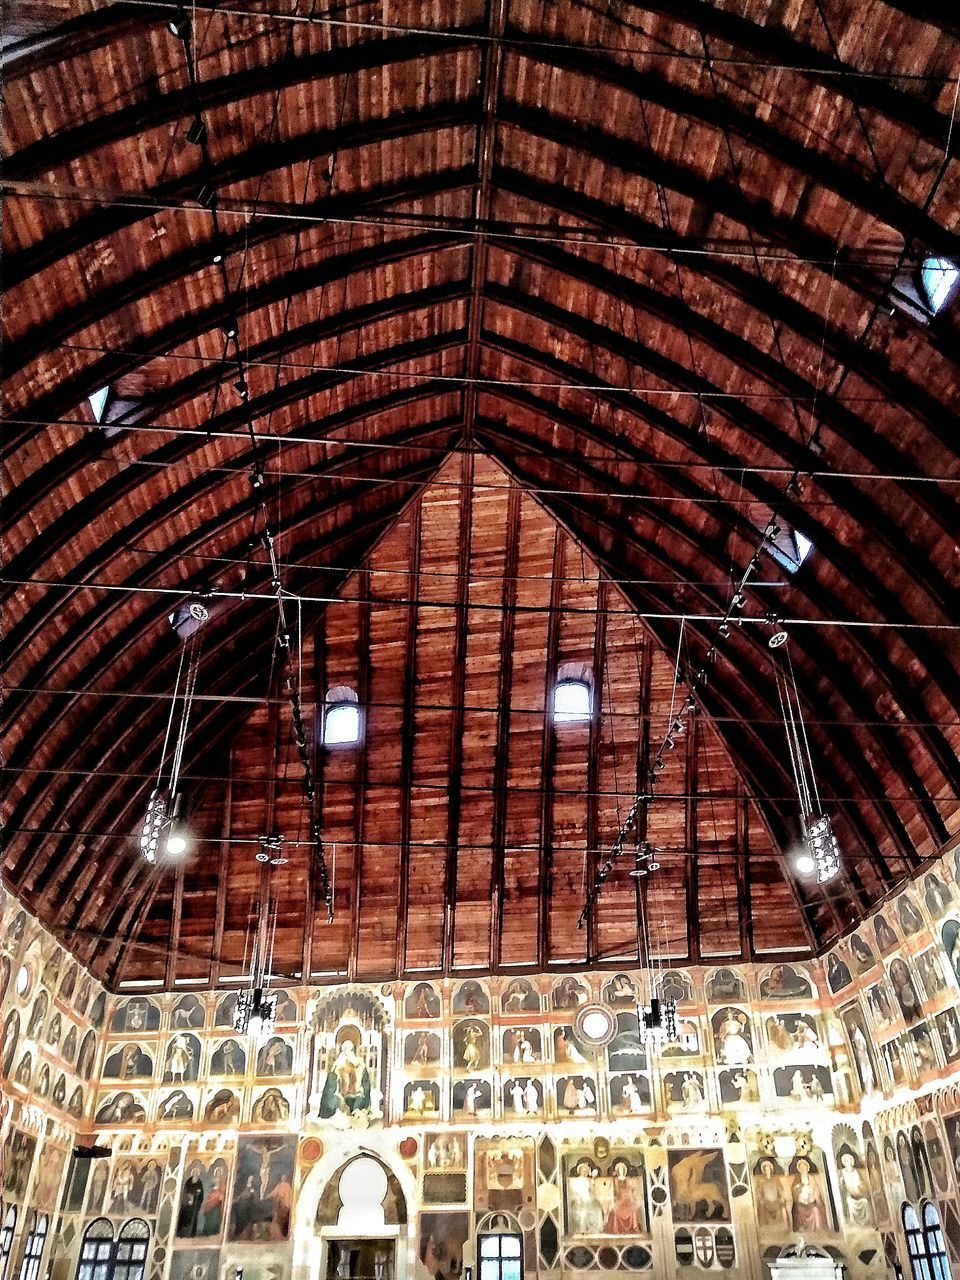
(98, 403)
(939, 276)
(572, 701)
(341, 718)
(791, 548)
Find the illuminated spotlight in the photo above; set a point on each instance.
(177, 842)
(804, 864)
(822, 846)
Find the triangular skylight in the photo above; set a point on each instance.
(98, 403)
(939, 276)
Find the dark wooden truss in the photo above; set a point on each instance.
(641, 264)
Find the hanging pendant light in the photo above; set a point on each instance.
(821, 848)
(256, 1011)
(163, 830)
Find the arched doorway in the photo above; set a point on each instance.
(361, 1218)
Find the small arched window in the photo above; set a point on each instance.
(501, 1256)
(6, 1238)
(341, 717)
(96, 1252)
(33, 1249)
(130, 1259)
(939, 276)
(572, 701)
(926, 1249)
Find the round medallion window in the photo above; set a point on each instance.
(595, 1024)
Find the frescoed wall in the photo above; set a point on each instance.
(387, 1132)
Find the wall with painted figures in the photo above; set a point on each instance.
(397, 1131)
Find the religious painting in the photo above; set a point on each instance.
(349, 1064)
(96, 1199)
(950, 933)
(188, 1014)
(228, 1059)
(135, 1014)
(771, 1196)
(43, 1081)
(785, 982)
(135, 1187)
(732, 1037)
(920, 1161)
(421, 1098)
(930, 970)
(59, 1094)
(24, 1071)
(421, 1048)
(519, 996)
(686, 1043)
(222, 1107)
(46, 1191)
(69, 982)
(885, 935)
(863, 957)
(75, 1105)
(263, 1189)
(675, 985)
(911, 921)
(792, 1034)
(83, 996)
(445, 1151)
(523, 1097)
(120, 1108)
(924, 1054)
(522, 1044)
(881, 1006)
(570, 993)
(182, 1060)
(18, 1151)
(904, 990)
(856, 1204)
(470, 998)
(936, 1157)
(948, 1025)
(803, 1084)
(723, 986)
(201, 1212)
(630, 1094)
(37, 1016)
(472, 1099)
(569, 1048)
(195, 1264)
(952, 1129)
(471, 1046)
(131, 1062)
(275, 1058)
(626, 1051)
(892, 1054)
(620, 991)
(288, 1013)
(686, 1089)
(88, 1051)
(838, 973)
(936, 895)
(739, 1086)
(271, 1106)
(875, 1180)
(503, 1174)
(861, 1049)
(175, 1106)
(441, 1244)
(4, 975)
(97, 1010)
(698, 1185)
(811, 1205)
(11, 1035)
(605, 1198)
(422, 1002)
(226, 1010)
(54, 1031)
(908, 1169)
(577, 1096)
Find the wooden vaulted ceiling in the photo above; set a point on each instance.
(601, 273)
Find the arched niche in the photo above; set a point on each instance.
(320, 1226)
